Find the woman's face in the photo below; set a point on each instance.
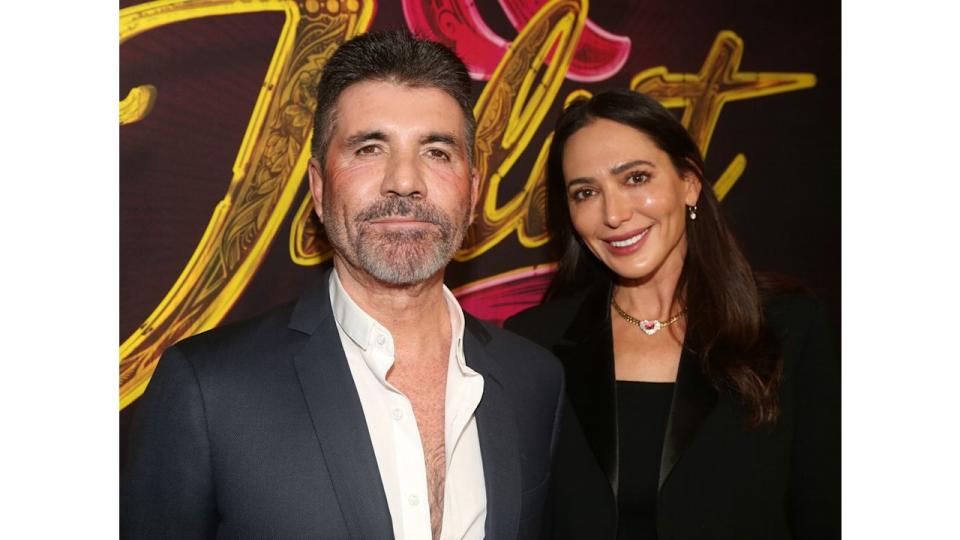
(627, 201)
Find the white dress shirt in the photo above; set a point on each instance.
(393, 427)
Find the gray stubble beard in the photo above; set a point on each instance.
(398, 258)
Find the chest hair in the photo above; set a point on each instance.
(425, 384)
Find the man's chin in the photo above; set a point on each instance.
(400, 277)
(393, 267)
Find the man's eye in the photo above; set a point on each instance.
(436, 153)
(368, 150)
(637, 177)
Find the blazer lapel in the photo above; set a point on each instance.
(499, 441)
(586, 352)
(693, 400)
(338, 419)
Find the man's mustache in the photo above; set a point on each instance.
(402, 207)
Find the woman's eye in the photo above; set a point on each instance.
(637, 177)
(582, 194)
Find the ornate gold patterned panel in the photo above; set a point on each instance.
(268, 169)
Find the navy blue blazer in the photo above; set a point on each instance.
(256, 430)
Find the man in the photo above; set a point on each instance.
(373, 407)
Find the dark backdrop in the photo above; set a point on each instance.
(175, 164)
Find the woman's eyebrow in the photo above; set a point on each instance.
(617, 169)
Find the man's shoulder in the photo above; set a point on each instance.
(245, 339)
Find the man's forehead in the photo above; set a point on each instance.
(375, 87)
(387, 107)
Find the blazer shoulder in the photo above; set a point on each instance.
(807, 337)
(519, 356)
(235, 341)
(546, 323)
(791, 315)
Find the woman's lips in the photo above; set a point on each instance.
(628, 243)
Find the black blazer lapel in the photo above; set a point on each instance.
(693, 400)
(499, 441)
(338, 419)
(586, 353)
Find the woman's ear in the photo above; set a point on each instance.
(692, 188)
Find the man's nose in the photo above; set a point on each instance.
(404, 177)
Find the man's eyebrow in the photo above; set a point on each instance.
(617, 169)
(364, 136)
(442, 138)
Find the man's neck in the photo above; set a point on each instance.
(407, 310)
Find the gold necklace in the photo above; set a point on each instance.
(649, 327)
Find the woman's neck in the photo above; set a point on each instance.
(653, 296)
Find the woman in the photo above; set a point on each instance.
(708, 402)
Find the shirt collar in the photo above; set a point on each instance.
(355, 322)
(364, 330)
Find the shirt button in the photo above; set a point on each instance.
(397, 414)
(380, 339)
(413, 500)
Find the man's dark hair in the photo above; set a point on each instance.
(393, 56)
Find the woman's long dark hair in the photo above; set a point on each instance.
(725, 313)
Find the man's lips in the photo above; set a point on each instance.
(400, 222)
(397, 219)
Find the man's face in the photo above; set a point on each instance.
(396, 190)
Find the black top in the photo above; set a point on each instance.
(642, 412)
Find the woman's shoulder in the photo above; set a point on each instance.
(801, 323)
(546, 323)
(787, 304)
(790, 309)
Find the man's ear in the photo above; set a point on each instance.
(474, 193)
(315, 174)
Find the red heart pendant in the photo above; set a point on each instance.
(650, 327)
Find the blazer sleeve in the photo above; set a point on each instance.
(166, 490)
(815, 475)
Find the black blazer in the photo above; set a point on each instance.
(255, 430)
(717, 480)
